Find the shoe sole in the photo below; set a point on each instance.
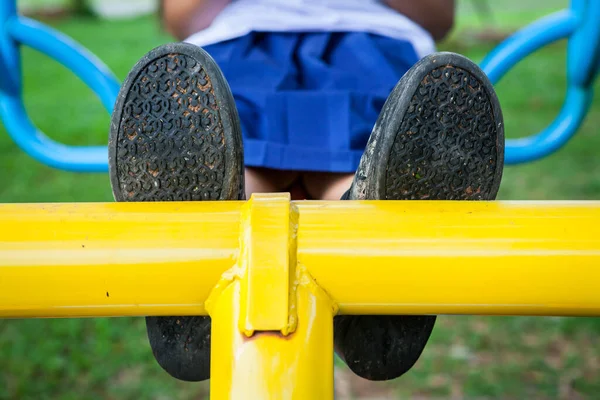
(440, 136)
(449, 136)
(175, 136)
(175, 133)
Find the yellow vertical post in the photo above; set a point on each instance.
(272, 326)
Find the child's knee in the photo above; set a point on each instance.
(264, 180)
(327, 185)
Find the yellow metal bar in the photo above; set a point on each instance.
(69, 260)
(265, 260)
(272, 330)
(269, 365)
(519, 258)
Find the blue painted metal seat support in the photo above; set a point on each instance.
(580, 25)
(16, 30)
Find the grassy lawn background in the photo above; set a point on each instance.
(468, 357)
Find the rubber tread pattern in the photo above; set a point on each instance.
(445, 148)
(164, 153)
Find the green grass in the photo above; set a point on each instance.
(508, 14)
(468, 357)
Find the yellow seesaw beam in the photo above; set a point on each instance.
(396, 257)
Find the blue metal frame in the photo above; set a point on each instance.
(17, 30)
(579, 24)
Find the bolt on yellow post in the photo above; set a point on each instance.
(272, 273)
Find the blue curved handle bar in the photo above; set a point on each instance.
(70, 54)
(86, 66)
(579, 23)
(526, 41)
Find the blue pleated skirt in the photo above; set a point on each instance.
(308, 101)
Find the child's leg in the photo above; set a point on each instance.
(264, 180)
(326, 185)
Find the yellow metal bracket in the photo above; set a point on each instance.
(268, 262)
(284, 319)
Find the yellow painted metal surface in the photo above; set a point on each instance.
(272, 326)
(272, 273)
(269, 365)
(518, 258)
(69, 260)
(265, 262)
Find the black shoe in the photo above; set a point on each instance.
(440, 136)
(175, 135)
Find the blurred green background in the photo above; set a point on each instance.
(468, 357)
